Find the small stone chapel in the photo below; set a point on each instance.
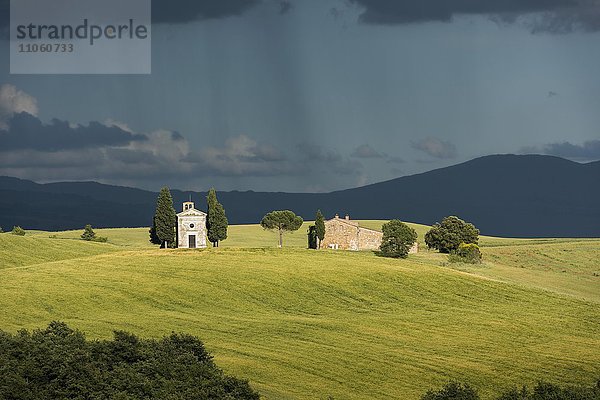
(191, 227)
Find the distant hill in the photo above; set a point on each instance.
(504, 195)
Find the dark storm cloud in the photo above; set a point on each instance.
(555, 15)
(366, 151)
(173, 11)
(25, 131)
(96, 151)
(436, 148)
(4, 19)
(35, 159)
(182, 11)
(587, 151)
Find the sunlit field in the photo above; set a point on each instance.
(305, 324)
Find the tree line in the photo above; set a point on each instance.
(60, 363)
(541, 391)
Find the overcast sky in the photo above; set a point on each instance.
(315, 95)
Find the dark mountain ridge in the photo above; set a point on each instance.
(504, 195)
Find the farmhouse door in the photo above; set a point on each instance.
(192, 244)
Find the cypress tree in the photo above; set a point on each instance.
(319, 228)
(216, 220)
(165, 218)
(153, 237)
(312, 237)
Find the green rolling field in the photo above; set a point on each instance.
(302, 324)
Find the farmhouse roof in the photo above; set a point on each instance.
(354, 224)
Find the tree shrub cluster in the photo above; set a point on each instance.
(466, 253)
(397, 240)
(542, 391)
(90, 236)
(17, 230)
(452, 391)
(450, 233)
(59, 363)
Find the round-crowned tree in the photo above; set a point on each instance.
(397, 240)
(281, 221)
(450, 233)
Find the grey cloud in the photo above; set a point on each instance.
(326, 160)
(314, 152)
(366, 151)
(396, 171)
(588, 151)
(556, 16)
(12, 101)
(183, 11)
(335, 12)
(396, 160)
(148, 160)
(177, 136)
(241, 156)
(347, 167)
(24, 131)
(285, 7)
(130, 156)
(93, 163)
(435, 148)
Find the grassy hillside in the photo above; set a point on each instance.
(571, 268)
(238, 235)
(18, 251)
(124, 237)
(302, 324)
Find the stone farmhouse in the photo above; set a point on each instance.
(345, 234)
(191, 227)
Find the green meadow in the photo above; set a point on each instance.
(302, 324)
